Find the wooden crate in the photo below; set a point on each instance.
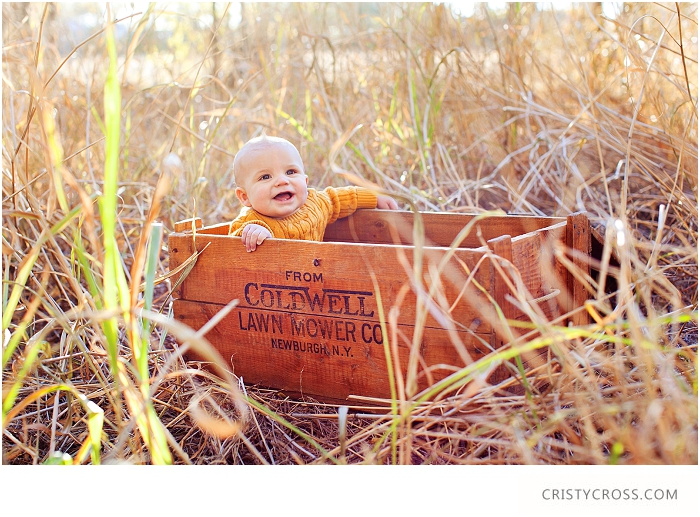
(308, 319)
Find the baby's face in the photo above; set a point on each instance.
(272, 179)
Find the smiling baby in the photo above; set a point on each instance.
(277, 203)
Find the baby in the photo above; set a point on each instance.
(272, 187)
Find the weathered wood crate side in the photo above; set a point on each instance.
(375, 226)
(534, 260)
(308, 318)
(308, 314)
(532, 239)
(322, 278)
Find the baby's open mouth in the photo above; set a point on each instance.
(284, 196)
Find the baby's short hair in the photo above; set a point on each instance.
(262, 139)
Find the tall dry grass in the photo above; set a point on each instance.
(109, 130)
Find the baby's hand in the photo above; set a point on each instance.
(387, 203)
(253, 235)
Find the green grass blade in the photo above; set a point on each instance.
(59, 458)
(87, 270)
(295, 123)
(96, 419)
(27, 265)
(31, 357)
(114, 281)
(152, 256)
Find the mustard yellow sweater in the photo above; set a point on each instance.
(309, 222)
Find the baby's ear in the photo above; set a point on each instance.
(242, 197)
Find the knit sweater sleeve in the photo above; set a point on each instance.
(344, 201)
(243, 220)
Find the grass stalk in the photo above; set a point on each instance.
(445, 112)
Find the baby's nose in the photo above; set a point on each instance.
(282, 179)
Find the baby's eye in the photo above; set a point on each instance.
(290, 172)
(265, 177)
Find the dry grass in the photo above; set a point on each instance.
(520, 110)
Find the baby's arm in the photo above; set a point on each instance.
(253, 235)
(251, 229)
(343, 201)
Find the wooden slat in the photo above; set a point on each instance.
(347, 359)
(533, 257)
(325, 278)
(186, 224)
(579, 240)
(502, 247)
(553, 279)
(216, 229)
(374, 226)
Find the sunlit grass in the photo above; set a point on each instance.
(110, 139)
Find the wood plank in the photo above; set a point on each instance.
(329, 278)
(375, 226)
(533, 257)
(553, 276)
(216, 229)
(186, 224)
(503, 248)
(327, 358)
(579, 240)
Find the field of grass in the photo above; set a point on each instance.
(113, 131)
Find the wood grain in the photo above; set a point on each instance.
(375, 226)
(308, 314)
(346, 361)
(327, 278)
(579, 240)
